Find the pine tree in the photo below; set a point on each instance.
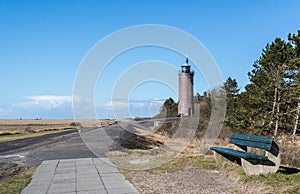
(268, 85)
(295, 77)
(169, 108)
(270, 104)
(231, 89)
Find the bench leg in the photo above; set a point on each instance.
(252, 167)
(224, 160)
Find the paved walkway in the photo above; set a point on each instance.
(85, 175)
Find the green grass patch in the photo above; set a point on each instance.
(16, 183)
(201, 162)
(286, 180)
(6, 138)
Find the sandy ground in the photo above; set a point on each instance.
(189, 180)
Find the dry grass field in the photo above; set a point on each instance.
(19, 129)
(12, 127)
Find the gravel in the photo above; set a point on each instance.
(189, 180)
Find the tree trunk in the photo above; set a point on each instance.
(297, 117)
(277, 116)
(274, 100)
(273, 111)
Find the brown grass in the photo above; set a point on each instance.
(20, 129)
(289, 149)
(27, 126)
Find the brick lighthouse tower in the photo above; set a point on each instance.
(186, 90)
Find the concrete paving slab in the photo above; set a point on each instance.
(104, 169)
(62, 185)
(50, 162)
(64, 176)
(84, 176)
(46, 169)
(66, 170)
(84, 162)
(39, 182)
(66, 189)
(94, 187)
(35, 190)
(63, 181)
(86, 171)
(122, 190)
(88, 179)
(93, 192)
(67, 161)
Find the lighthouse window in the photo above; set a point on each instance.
(186, 69)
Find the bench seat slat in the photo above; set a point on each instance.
(252, 141)
(239, 154)
(252, 138)
(251, 144)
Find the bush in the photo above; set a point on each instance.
(29, 130)
(76, 124)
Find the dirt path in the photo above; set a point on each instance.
(189, 180)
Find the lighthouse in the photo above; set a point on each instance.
(186, 90)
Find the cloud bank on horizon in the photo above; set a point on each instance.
(51, 106)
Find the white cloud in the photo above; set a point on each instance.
(123, 109)
(51, 106)
(52, 101)
(46, 102)
(121, 104)
(115, 104)
(42, 106)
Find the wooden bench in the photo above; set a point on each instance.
(256, 154)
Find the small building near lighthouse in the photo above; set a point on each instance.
(186, 90)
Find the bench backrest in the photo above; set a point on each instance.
(252, 141)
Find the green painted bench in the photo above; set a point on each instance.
(266, 161)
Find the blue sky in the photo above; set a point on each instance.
(42, 44)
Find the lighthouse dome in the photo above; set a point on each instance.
(186, 68)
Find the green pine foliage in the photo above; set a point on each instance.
(169, 109)
(270, 104)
